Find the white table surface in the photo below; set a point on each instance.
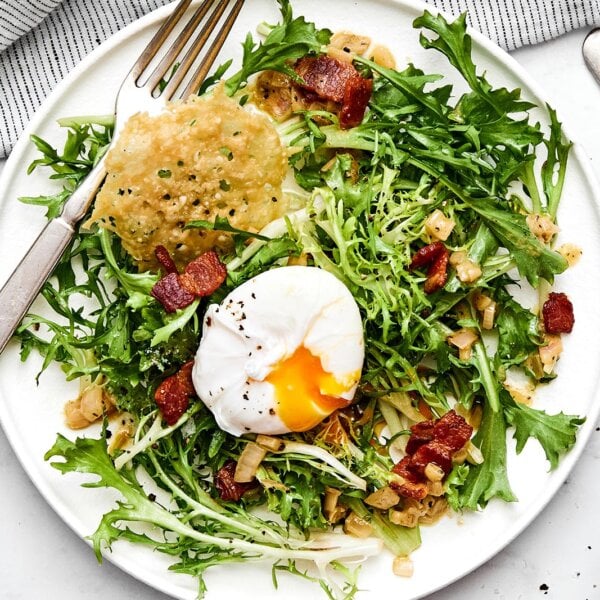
(41, 558)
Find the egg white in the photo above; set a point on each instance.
(263, 322)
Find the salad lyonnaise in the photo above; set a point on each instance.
(427, 208)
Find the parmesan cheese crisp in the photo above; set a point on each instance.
(200, 159)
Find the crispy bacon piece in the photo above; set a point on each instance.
(432, 452)
(558, 314)
(331, 79)
(171, 294)
(420, 433)
(413, 486)
(201, 277)
(418, 491)
(325, 76)
(430, 442)
(173, 394)
(403, 468)
(356, 98)
(165, 260)
(435, 257)
(204, 275)
(452, 430)
(229, 489)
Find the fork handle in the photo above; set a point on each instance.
(26, 281)
(22, 287)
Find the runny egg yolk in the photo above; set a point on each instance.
(305, 393)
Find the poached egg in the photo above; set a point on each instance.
(280, 353)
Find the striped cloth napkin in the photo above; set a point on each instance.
(41, 40)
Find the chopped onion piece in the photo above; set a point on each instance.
(330, 502)
(383, 498)
(435, 488)
(92, 403)
(74, 418)
(439, 226)
(489, 314)
(542, 227)
(249, 461)
(123, 436)
(481, 301)
(550, 353)
(474, 455)
(383, 57)
(463, 338)
(270, 443)
(468, 271)
(520, 395)
(340, 55)
(403, 566)
(407, 517)
(571, 253)
(434, 472)
(357, 526)
(350, 43)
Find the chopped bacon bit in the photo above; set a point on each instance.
(421, 433)
(173, 395)
(357, 94)
(413, 485)
(558, 314)
(452, 430)
(229, 489)
(171, 294)
(204, 275)
(325, 76)
(165, 259)
(430, 442)
(418, 491)
(434, 256)
(433, 452)
(403, 469)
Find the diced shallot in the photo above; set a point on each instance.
(248, 463)
(403, 566)
(357, 526)
(434, 472)
(350, 42)
(550, 352)
(439, 226)
(489, 314)
(463, 339)
(542, 227)
(330, 502)
(274, 444)
(383, 498)
(571, 253)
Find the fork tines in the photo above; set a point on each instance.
(182, 54)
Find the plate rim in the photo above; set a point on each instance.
(481, 42)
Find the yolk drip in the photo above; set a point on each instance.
(305, 392)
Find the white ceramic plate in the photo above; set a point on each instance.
(31, 415)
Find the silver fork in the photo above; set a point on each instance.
(135, 95)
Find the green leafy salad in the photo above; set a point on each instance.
(432, 210)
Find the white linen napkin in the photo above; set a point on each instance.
(41, 40)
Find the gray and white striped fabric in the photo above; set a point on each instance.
(41, 40)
